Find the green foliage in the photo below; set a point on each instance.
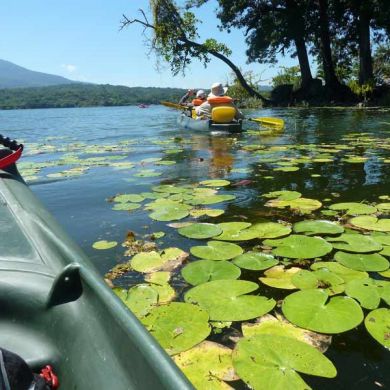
(84, 95)
(291, 75)
(364, 90)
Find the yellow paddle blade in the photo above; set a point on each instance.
(174, 105)
(278, 122)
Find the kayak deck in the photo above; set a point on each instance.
(187, 122)
(55, 308)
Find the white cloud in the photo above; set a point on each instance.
(69, 67)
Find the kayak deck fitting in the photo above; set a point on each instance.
(55, 308)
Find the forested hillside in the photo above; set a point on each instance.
(84, 95)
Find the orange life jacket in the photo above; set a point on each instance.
(220, 100)
(197, 102)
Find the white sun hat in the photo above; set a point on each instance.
(201, 94)
(217, 89)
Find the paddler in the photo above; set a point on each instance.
(217, 98)
(197, 101)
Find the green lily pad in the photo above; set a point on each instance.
(314, 310)
(369, 222)
(369, 292)
(255, 261)
(203, 271)
(385, 274)
(362, 262)
(213, 199)
(139, 299)
(377, 324)
(178, 326)
(345, 273)
(268, 361)
(235, 231)
(279, 277)
(168, 210)
(103, 244)
(216, 250)
(283, 195)
(200, 230)
(147, 173)
(383, 207)
(126, 206)
(322, 278)
(159, 282)
(353, 208)
(215, 183)
(381, 238)
(286, 169)
(196, 213)
(226, 300)
(317, 227)
(355, 243)
(300, 205)
(154, 261)
(279, 326)
(134, 198)
(299, 247)
(207, 365)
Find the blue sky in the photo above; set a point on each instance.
(80, 39)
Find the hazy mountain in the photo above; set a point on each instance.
(14, 76)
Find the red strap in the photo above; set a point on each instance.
(48, 375)
(11, 158)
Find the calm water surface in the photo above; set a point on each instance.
(80, 202)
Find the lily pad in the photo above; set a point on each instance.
(226, 300)
(268, 361)
(314, 310)
(207, 365)
(215, 183)
(203, 271)
(362, 262)
(216, 250)
(255, 261)
(213, 199)
(322, 278)
(377, 324)
(353, 208)
(369, 222)
(139, 299)
(235, 231)
(134, 198)
(301, 205)
(126, 206)
(279, 326)
(196, 213)
(317, 227)
(355, 243)
(279, 277)
(154, 261)
(283, 195)
(369, 292)
(383, 207)
(178, 326)
(103, 244)
(200, 230)
(159, 282)
(168, 210)
(345, 273)
(299, 247)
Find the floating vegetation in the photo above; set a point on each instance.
(103, 244)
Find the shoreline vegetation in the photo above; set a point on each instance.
(91, 95)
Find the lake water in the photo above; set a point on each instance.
(75, 160)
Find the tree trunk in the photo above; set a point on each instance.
(365, 60)
(326, 51)
(252, 92)
(297, 26)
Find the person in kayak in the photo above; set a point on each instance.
(199, 99)
(217, 98)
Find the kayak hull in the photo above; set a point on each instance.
(56, 309)
(186, 122)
